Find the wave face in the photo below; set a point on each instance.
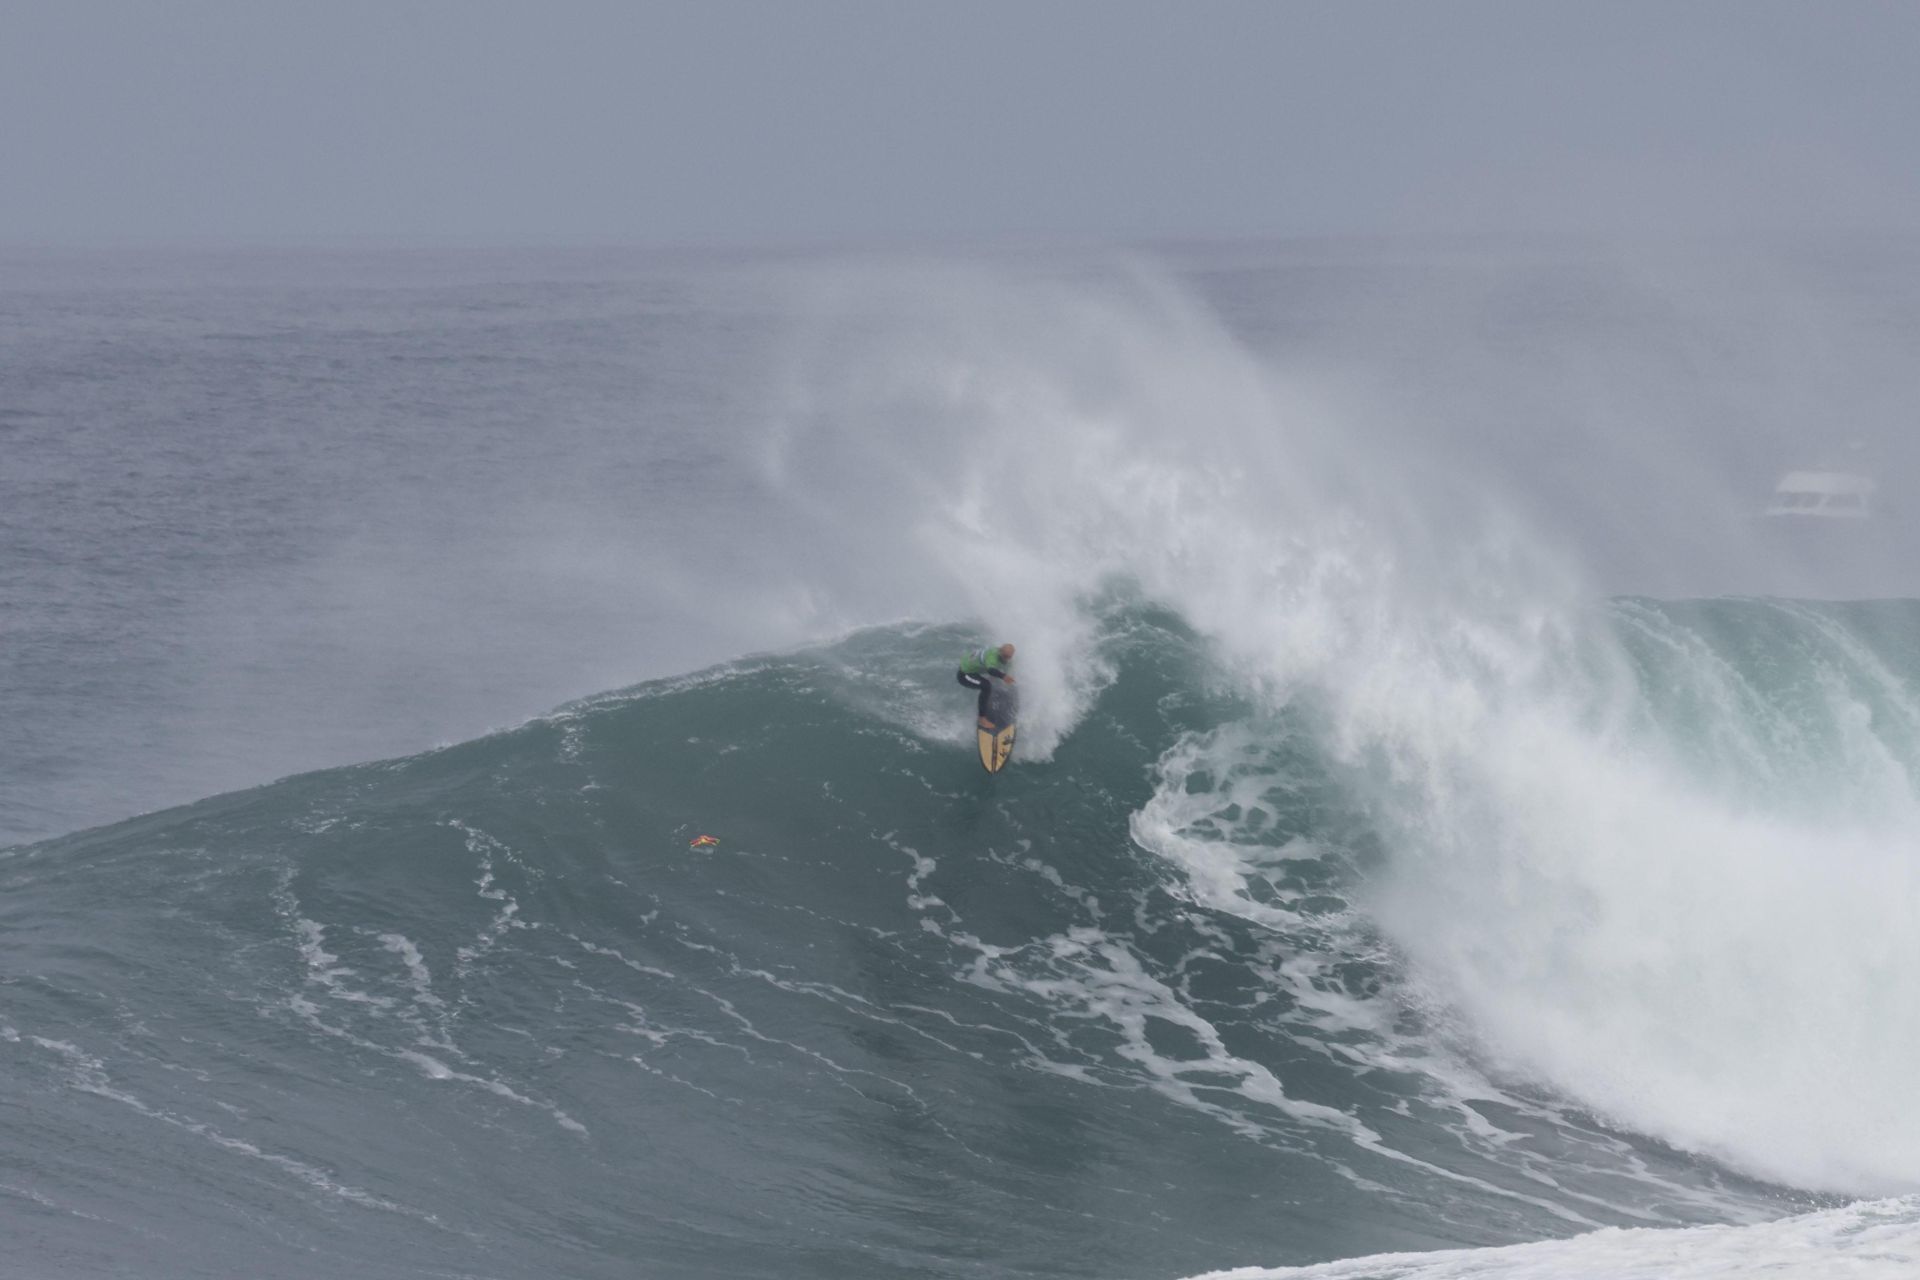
(1223, 979)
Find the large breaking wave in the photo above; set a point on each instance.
(1363, 883)
(1216, 984)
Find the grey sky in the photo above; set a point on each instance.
(260, 120)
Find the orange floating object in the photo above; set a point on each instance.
(704, 842)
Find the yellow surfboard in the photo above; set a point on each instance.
(996, 747)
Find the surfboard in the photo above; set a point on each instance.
(996, 747)
(1003, 708)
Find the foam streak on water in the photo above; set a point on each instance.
(1872, 1240)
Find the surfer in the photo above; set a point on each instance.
(977, 668)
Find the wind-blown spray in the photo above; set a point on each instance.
(1618, 858)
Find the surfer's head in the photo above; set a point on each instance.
(1006, 655)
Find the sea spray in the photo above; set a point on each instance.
(1586, 859)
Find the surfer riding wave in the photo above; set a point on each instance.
(979, 669)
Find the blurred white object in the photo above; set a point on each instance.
(1822, 495)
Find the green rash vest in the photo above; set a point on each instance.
(987, 659)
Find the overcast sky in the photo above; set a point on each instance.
(781, 122)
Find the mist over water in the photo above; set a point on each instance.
(270, 512)
(1376, 526)
(402, 498)
(1631, 870)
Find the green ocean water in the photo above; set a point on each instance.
(484, 1012)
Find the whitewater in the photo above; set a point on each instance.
(1427, 854)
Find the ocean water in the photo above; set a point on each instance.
(1449, 835)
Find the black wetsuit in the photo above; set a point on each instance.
(980, 682)
(998, 702)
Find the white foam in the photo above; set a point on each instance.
(88, 1074)
(1703, 927)
(1211, 815)
(1866, 1241)
(507, 917)
(434, 1069)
